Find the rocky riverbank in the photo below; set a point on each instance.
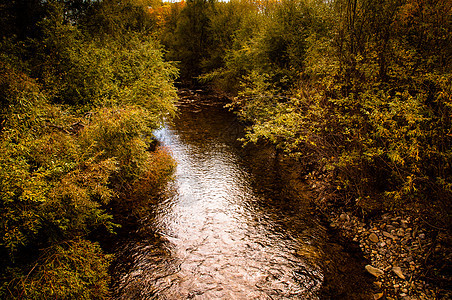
(404, 256)
(396, 248)
(408, 258)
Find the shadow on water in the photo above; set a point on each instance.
(229, 226)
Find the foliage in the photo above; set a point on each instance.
(358, 90)
(190, 39)
(109, 18)
(81, 71)
(73, 269)
(77, 113)
(232, 26)
(372, 107)
(118, 133)
(55, 185)
(268, 39)
(49, 193)
(159, 168)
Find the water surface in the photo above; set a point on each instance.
(228, 227)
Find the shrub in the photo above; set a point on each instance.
(120, 134)
(159, 169)
(74, 269)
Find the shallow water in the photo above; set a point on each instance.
(228, 227)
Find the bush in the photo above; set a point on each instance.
(57, 174)
(122, 134)
(159, 169)
(73, 139)
(75, 269)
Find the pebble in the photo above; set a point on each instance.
(398, 272)
(344, 217)
(388, 235)
(404, 224)
(378, 296)
(373, 238)
(374, 271)
(389, 227)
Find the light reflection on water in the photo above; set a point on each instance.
(219, 235)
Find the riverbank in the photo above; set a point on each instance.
(408, 258)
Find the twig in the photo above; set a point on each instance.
(58, 127)
(433, 226)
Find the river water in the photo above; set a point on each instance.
(229, 226)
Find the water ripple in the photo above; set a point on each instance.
(219, 236)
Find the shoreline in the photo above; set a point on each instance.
(397, 246)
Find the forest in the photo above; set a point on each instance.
(357, 92)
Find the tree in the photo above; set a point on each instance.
(191, 39)
(77, 114)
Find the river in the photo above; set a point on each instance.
(230, 226)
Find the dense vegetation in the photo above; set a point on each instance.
(358, 90)
(83, 85)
